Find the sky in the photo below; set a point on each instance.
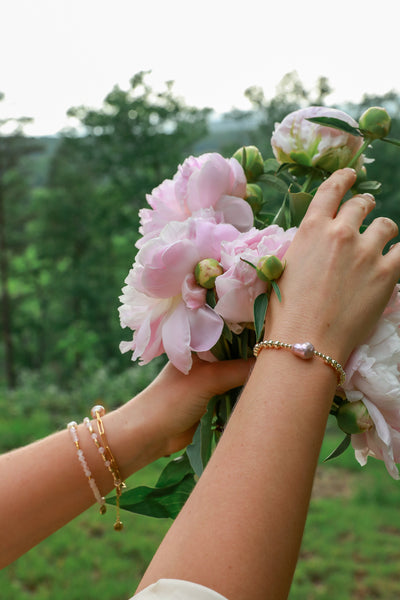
(55, 54)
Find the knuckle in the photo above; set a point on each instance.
(332, 186)
(344, 232)
(310, 222)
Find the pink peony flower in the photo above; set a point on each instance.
(373, 377)
(297, 140)
(239, 286)
(208, 185)
(162, 302)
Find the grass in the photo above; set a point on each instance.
(351, 545)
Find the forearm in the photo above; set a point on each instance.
(46, 485)
(49, 473)
(256, 537)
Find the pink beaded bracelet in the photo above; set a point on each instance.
(73, 429)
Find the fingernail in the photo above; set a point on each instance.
(369, 196)
(351, 169)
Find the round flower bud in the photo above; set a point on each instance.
(206, 272)
(269, 268)
(353, 417)
(254, 197)
(298, 141)
(251, 160)
(375, 122)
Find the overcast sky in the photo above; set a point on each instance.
(55, 54)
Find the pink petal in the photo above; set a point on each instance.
(236, 211)
(176, 338)
(205, 328)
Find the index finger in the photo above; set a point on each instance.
(331, 192)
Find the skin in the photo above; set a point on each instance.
(45, 479)
(241, 529)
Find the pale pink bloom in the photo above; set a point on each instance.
(162, 303)
(297, 140)
(208, 185)
(373, 377)
(239, 286)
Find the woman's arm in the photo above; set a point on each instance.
(241, 529)
(44, 486)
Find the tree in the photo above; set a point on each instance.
(89, 222)
(14, 217)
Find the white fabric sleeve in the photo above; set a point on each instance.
(176, 589)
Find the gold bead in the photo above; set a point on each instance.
(118, 526)
(103, 509)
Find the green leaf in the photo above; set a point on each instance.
(260, 310)
(210, 298)
(264, 219)
(274, 182)
(243, 340)
(391, 141)
(159, 502)
(174, 471)
(301, 158)
(199, 451)
(336, 124)
(248, 262)
(194, 452)
(271, 165)
(282, 217)
(277, 291)
(298, 204)
(344, 444)
(369, 186)
(227, 333)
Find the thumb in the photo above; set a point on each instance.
(228, 374)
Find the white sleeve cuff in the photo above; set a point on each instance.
(176, 589)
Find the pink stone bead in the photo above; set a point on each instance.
(305, 350)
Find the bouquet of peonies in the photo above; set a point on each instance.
(208, 260)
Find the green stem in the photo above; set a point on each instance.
(307, 183)
(355, 158)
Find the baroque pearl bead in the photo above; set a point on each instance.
(305, 350)
(98, 409)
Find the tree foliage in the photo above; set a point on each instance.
(68, 231)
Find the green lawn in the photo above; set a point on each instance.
(351, 547)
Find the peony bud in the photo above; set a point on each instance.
(269, 268)
(298, 141)
(254, 197)
(353, 417)
(251, 160)
(206, 272)
(375, 122)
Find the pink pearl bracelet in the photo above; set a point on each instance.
(73, 429)
(305, 351)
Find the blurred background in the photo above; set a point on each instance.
(100, 101)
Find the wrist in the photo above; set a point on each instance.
(281, 324)
(134, 436)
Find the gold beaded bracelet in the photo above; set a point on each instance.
(97, 412)
(304, 351)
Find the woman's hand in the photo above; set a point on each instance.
(176, 402)
(337, 282)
